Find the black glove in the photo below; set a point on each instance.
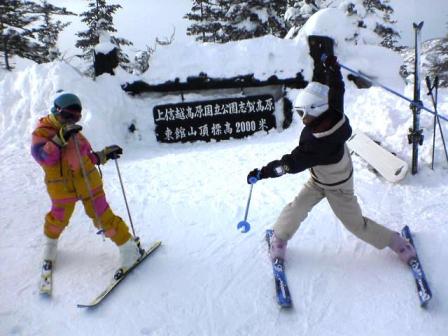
(65, 133)
(113, 152)
(331, 63)
(109, 152)
(254, 175)
(273, 169)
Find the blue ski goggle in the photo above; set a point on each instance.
(70, 115)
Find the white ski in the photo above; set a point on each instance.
(118, 280)
(46, 278)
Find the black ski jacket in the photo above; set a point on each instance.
(323, 147)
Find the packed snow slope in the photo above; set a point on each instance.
(208, 278)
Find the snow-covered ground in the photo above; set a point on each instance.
(208, 278)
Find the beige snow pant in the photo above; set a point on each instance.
(345, 206)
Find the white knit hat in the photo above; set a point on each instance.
(313, 100)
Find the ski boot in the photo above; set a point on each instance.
(404, 249)
(277, 248)
(130, 253)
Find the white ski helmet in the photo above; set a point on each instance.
(313, 100)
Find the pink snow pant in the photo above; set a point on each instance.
(65, 194)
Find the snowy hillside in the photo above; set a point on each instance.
(208, 278)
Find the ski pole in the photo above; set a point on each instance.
(88, 186)
(434, 98)
(359, 74)
(244, 225)
(124, 196)
(428, 84)
(136, 239)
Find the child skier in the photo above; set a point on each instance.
(55, 145)
(323, 151)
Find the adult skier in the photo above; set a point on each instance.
(322, 149)
(54, 148)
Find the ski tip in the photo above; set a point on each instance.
(424, 304)
(425, 296)
(268, 235)
(405, 230)
(285, 303)
(418, 26)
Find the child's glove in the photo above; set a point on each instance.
(65, 133)
(109, 152)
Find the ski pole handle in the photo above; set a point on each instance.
(253, 180)
(428, 84)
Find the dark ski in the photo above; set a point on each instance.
(281, 285)
(423, 289)
(95, 302)
(415, 136)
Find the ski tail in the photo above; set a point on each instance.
(46, 278)
(281, 285)
(423, 289)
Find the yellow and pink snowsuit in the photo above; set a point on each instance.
(66, 185)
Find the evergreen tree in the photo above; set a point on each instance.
(246, 19)
(206, 16)
(297, 13)
(48, 32)
(372, 16)
(202, 17)
(437, 59)
(231, 20)
(141, 60)
(17, 37)
(382, 11)
(99, 19)
(276, 20)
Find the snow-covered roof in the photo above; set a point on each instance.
(263, 57)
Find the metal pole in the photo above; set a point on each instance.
(438, 120)
(376, 83)
(136, 239)
(244, 224)
(124, 196)
(434, 98)
(248, 202)
(87, 182)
